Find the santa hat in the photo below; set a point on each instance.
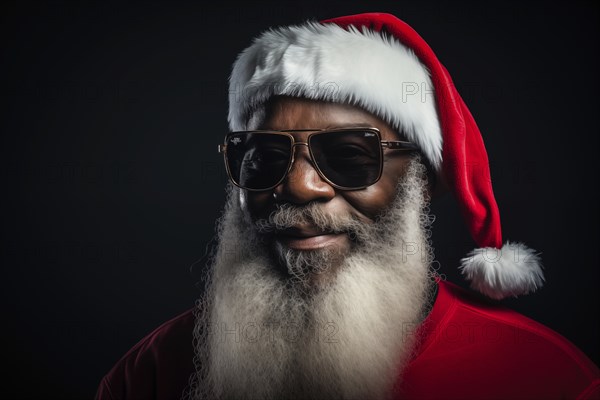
(379, 63)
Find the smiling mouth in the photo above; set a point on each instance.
(309, 239)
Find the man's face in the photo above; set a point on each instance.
(304, 186)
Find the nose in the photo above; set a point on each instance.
(303, 183)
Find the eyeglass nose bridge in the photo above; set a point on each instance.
(310, 158)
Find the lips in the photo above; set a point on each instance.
(303, 232)
(308, 238)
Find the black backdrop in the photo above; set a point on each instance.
(111, 180)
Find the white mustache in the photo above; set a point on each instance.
(288, 216)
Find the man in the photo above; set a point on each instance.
(321, 286)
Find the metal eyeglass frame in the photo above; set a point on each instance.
(389, 144)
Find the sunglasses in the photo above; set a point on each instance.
(346, 158)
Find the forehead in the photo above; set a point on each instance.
(283, 113)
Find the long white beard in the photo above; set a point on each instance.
(260, 336)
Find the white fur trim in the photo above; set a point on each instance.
(327, 62)
(498, 273)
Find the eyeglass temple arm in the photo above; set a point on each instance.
(399, 145)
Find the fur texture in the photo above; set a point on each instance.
(512, 270)
(327, 62)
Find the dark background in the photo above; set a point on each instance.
(110, 119)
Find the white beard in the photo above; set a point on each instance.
(260, 336)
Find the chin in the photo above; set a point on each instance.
(310, 267)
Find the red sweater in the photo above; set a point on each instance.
(470, 349)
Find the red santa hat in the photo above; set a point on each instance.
(379, 63)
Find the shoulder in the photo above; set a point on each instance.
(158, 366)
(479, 346)
(497, 324)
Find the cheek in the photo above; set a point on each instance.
(256, 204)
(373, 200)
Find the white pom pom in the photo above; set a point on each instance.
(512, 270)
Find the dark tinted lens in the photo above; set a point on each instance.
(258, 160)
(350, 159)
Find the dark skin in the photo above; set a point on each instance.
(303, 184)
